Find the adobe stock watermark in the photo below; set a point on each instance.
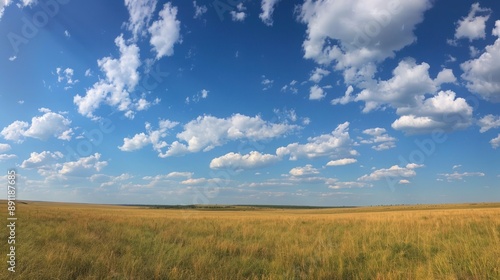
(11, 219)
(225, 6)
(31, 26)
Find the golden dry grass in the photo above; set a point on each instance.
(71, 241)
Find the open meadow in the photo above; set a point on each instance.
(78, 241)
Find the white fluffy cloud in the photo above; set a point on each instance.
(496, 30)
(121, 78)
(239, 14)
(318, 74)
(41, 160)
(4, 147)
(151, 137)
(316, 93)
(379, 138)
(406, 88)
(4, 157)
(42, 127)
(238, 161)
(207, 132)
(495, 142)
(66, 75)
(483, 73)
(140, 12)
(84, 166)
(473, 26)
(267, 7)
(177, 174)
(444, 77)
(444, 111)
(307, 170)
(488, 122)
(165, 32)
(347, 98)
(356, 33)
(340, 162)
(338, 143)
(3, 5)
(15, 131)
(415, 96)
(455, 176)
(49, 124)
(394, 171)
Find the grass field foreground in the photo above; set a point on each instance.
(73, 241)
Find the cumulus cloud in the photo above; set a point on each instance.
(140, 12)
(239, 14)
(121, 78)
(84, 166)
(50, 124)
(42, 160)
(208, 132)
(307, 170)
(15, 131)
(237, 161)
(394, 171)
(66, 75)
(473, 26)
(483, 73)
(444, 77)
(267, 7)
(318, 74)
(347, 98)
(444, 111)
(415, 96)
(151, 137)
(495, 142)
(165, 32)
(316, 93)
(380, 139)
(488, 122)
(404, 182)
(3, 5)
(4, 147)
(496, 30)
(340, 162)
(455, 176)
(355, 34)
(338, 143)
(406, 88)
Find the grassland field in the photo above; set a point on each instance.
(81, 241)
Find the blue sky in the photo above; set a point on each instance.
(251, 102)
